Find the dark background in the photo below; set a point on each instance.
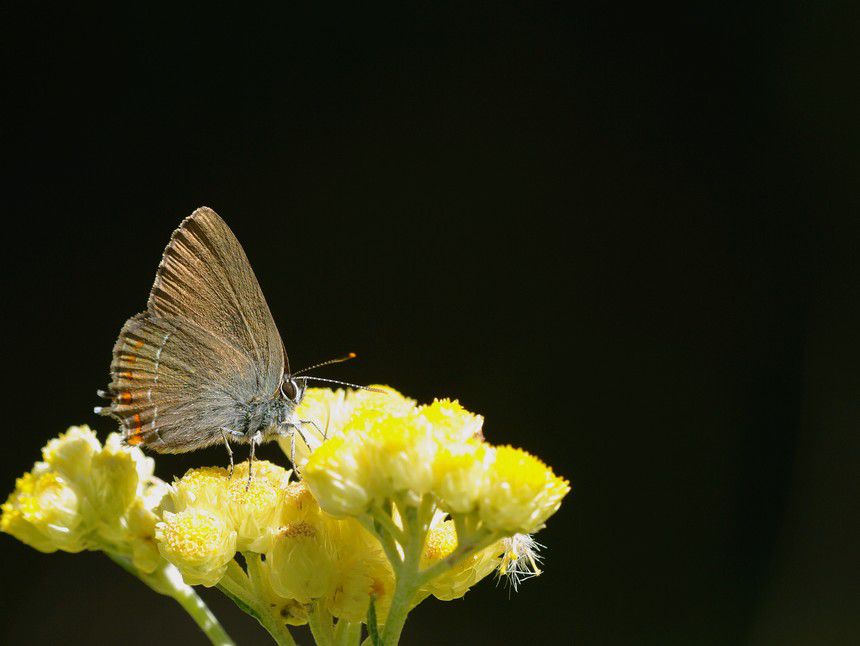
(627, 236)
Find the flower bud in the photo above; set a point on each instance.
(299, 563)
(451, 422)
(520, 492)
(198, 542)
(458, 472)
(465, 573)
(400, 451)
(252, 506)
(202, 488)
(70, 454)
(114, 482)
(44, 512)
(361, 570)
(339, 478)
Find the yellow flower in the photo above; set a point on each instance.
(71, 453)
(399, 451)
(465, 573)
(44, 512)
(339, 477)
(141, 537)
(116, 478)
(458, 473)
(367, 404)
(451, 422)
(198, 542)
(87, 496)
(202, 488)
(299, 505)
(331, 410)
(381, 453)
(300, 562)
(520, 492)
(252, 507)
(248, 507)
(361, 569)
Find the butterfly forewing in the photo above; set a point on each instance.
(206, 278)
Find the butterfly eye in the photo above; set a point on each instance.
(292, 390)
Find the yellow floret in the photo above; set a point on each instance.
(458, 472)
(45, 513)
(520, 492)
(451, 422)
(339, 477)
(202, 488)
(198, 542)
(71, 452)
(253, 505)
(299, 562)
(361, 569)
(400, 452)
(463, 574)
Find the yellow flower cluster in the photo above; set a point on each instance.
(85, 496)
(298, 556)
(396, 502)
(382, 447)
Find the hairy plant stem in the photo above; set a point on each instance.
(236, 585)
(319, 620)
(416, 523)
(347, 633)
(168, 581)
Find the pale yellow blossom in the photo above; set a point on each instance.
(200, 543)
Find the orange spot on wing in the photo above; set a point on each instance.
(135, 439)
(138, 343)
(125, 397)
(126, 374)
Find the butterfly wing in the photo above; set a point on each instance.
(206, 346)
(205, 277)
(174, 384)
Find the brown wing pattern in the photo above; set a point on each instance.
(206, 278)
(166, 391)
(205, 347)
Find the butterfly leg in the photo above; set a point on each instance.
(316, 426)
(293, 448)
(255, 440)
(224, 432)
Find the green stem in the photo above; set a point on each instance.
(416, 523)
(319, 620)
(236, 585)
(387, 522)
(168, 581)
(347, 633)
(389, 546)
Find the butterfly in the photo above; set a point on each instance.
(204, 363)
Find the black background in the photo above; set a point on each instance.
(627, 236)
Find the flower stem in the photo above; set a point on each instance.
(416, 523)
(166, 580)
(236, 585)
(347, 633)
(320, 624)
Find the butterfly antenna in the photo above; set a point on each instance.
(345, 357)
(346, 383)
